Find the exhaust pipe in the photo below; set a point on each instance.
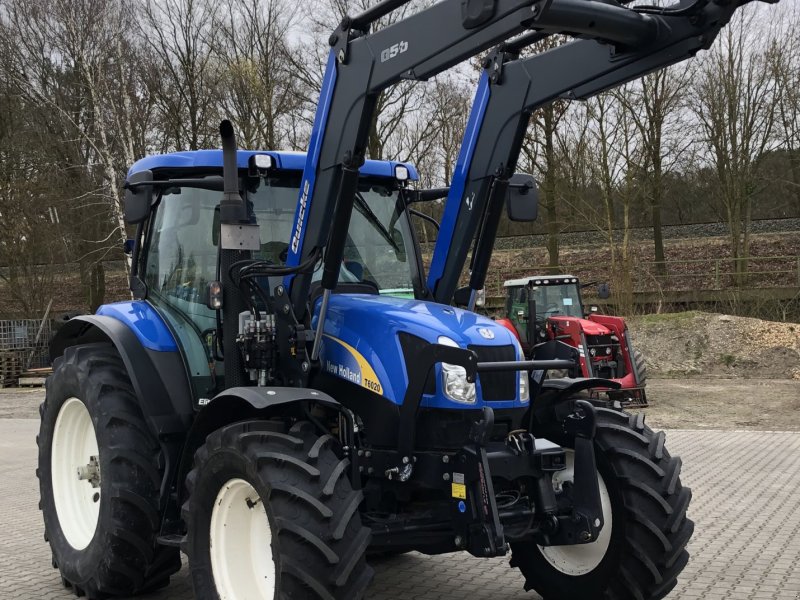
(234, 223)
(232, 209)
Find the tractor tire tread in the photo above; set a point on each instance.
(317, 531)
(132, 561)
(652, 551)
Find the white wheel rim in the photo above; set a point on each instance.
(76, 498)
(580, 559)
(241, 544)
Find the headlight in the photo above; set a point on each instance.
(454, 379)
(524, 388)
(480, 297)
(524, 391)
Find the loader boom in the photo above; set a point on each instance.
(361, 65)
(511, 89)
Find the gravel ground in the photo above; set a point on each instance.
(754, 404)
(745, 546)
(698, 344)
(742, 404)
(20, 403)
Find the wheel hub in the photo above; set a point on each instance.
(241, 544)
(75, 471)
(579, 559)
(90, 472)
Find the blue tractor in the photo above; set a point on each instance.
(288, 394)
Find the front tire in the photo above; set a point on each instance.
(641, 367)
(101, 523)
(646, 549)
(271, 515)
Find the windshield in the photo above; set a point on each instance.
(379, 241)
(182, 256)
(557, 300)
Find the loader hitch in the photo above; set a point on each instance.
(585, 520)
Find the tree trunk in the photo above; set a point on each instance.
(656, 197)
(551, 211)
(794, 162)
(93, 282)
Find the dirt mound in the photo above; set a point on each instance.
(714, 345)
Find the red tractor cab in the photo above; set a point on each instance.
(544, 308)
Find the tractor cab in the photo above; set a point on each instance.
(176, 263)
(544, 297)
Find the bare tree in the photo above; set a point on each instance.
(539, 150)
(258, 90)
(432, 138)
(655, 105)
(77, 66)
(185, 75)
(26, 237)
(394, 106)
(734, 101)
(785, 63)
(608, 165)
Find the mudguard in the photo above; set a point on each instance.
(568, 386)
(556, 398)
(261, 398)
(244, 403)
(159, 377)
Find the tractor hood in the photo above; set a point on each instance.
(588, 327)
(361, 337)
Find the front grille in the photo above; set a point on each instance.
(501, 385)
(600, 343)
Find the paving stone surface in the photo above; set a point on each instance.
(746, 545)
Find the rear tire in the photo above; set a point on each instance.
(649, 528)
(102, 529)
(312, 545)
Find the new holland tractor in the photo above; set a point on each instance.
(287, 393)
(541, 309)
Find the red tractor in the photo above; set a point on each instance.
(603, 342)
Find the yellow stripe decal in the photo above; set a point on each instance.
(369, 379)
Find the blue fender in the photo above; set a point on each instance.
(158, 377)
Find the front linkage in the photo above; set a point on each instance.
(474, 519)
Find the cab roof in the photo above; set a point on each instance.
(550, 279)
(288, 161)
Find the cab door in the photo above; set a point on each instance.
(517, 309)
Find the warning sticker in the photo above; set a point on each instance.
(459, 491)
(458, 477)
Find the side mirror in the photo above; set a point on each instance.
(604, 291)
(522, 198)
(138, 197)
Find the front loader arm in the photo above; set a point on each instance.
(362, 65)
(511, 89)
